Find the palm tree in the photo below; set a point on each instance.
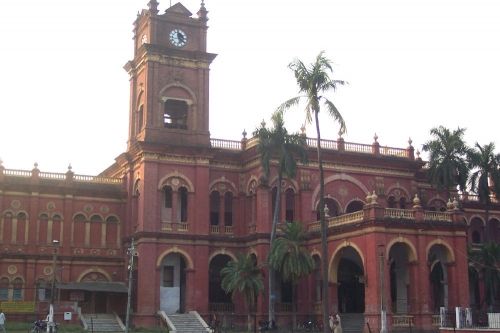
(243, 276)
(277, 143)
(447, 161)
(488, 260)
(314, 82)
(290, 257)
(484, 164)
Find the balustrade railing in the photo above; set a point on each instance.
(214, 229)
(312, 143)
(252, 228)
(436, 320)
(96, 179)
(17, 173)
(397, 213)
(62, 176)
(475, 198)
(437, 216)
(390, 151)
(346, 218)
(52, 175)
(175, 226)
(402, 321)
(225, 144)
(228, 229)
(358, 147)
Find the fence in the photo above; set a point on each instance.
(466, 318)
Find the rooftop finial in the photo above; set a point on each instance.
(153, 7)
(202, 13)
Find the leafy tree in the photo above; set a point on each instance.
(243, 276)
(290, 257)
(314, 82)
(276, 143)
(447, 161)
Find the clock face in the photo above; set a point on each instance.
(178, 37)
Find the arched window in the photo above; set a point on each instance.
(476, 237)
(214, 208)
(166, 208)
(17, 290)
(183, 204)
(391, 202)
(79, 218)
(95, 218)
(354, 206)
(4, 289)
(175, 114)
(402, 203)
(333, 208)
(41, 290)
(140, 118)
(228, 209)
(290, 205)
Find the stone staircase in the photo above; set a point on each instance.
(352, 322)
(102, 322)
(185, 322)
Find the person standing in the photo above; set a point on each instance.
(2, 321)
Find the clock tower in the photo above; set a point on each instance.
(169, 77)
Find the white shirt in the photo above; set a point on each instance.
(2, 318)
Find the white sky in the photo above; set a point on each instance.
(411, 64)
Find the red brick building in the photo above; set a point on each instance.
(191, 202)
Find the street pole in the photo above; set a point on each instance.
(383, 314)
(132, 252)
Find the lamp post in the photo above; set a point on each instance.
(55, 244)
(50, 324)
(131, 252)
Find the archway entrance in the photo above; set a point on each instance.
(399, 257)
(173, 284)
(438, 258)
(350, 282)
(218, 300)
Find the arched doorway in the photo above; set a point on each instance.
(399, 257)
(474, 291)
(438, 258)
(218, 300)
(350, 282)
(173, 283)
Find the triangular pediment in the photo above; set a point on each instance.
(179, 9)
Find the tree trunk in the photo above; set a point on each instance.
(276, 215)
(324, 229)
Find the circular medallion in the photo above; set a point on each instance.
(15, 204)
(47, 270)
(51, 205)
(12, 269)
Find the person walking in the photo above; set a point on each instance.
(2, 321)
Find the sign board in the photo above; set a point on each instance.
(17, 307)
(67, 315)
